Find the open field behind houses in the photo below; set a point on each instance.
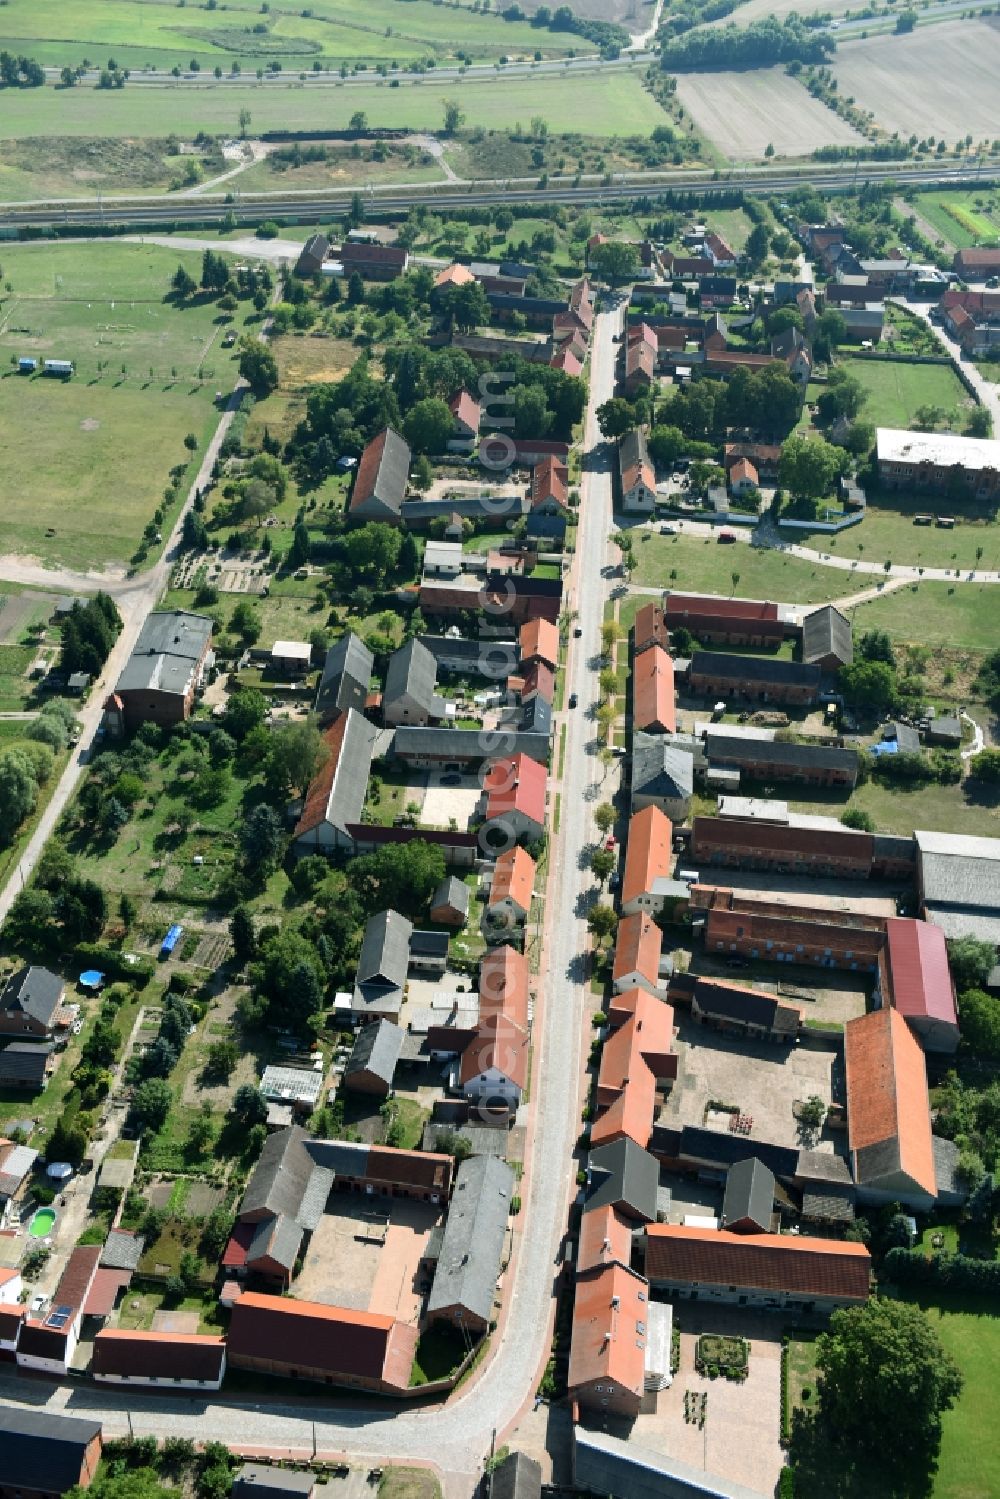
(935, 614)
(964, 218)
(607, 103)
(938, 80)
(700, 565)
(143, 34)
(743, 113)
(896, 391)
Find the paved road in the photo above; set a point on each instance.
(457, 1436)
(135, 598)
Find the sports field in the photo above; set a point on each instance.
(601, 103)
(744, 113)
(149, 33)
(938, 80)
(87, 460)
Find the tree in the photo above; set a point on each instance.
(355, 290)
(67, 1142)
(986, 765)
(249, 1104)
(297, 752)
(843, 395)
(400, 876)
(244, 118)
(859, 820)
(757, 245)
(372, 551)
(18, 791)
(615, 417)
(868, 684)
(301, 547)
(666, 444)
(358, 122)
(258, 367)
(971, 962)
(183, 283)
(885, 1380)
(221, 1059)
(602, 862)
(150, 1105)
(241, 930)
(810, 467)
(262, 840)
(616, 260)
(429, 425)
(245, 711)
(604, 816)
(602, 921)
(876, 645)
(813, 1111)
(453, 116)
(245, 622)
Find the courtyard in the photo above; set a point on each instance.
(366, 1254)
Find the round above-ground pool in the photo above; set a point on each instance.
(42, 1224)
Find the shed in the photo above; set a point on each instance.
(946, 730)
(372, 1063)
(749, 1198)
(450, 904)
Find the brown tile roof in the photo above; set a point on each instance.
(158, 1355)
(887, 1101)
(409, 1168)
(466, 409)
(104, 1291)
(728, 832)
(566, 361)
(634, 1057)
(310, 1335)
(619, 1007)
(605, 1236)
(10, 1322)
(649, 628)
(385, 448)
(760, 1262)
(648, 851)
(504, 985)
(454, 275)
(609, 1330)
(499, 1043)
(513, 878)
(653, 704)
(743, 469)
(516, 785)
(549, 481)
(540, 637)
(633, 461)
(637, 947)
(687, 608)
(538, 678)
(75, 1281)
(318, 796)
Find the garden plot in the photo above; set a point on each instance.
(744, 113)
(939, 80)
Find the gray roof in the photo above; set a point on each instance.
(732, 749)
(695, 1143)
(607, 1466)
(272, 1483)
(43, 1452)
(376, 1050)
(746, 1006)
(347, 674)
(385, 950)
(429, 944)
(34, 992)
(946, 1158)
(278, 1239)
(822, 1166)
(491, 659)
(536, 716)
(474, 1235)
(452, 892)
(632, 449)
(739, 669)
(827, 632)
(340, 1157)
(337, 795)
(286, 1181)
(467, 745)
(828, 1203)
(956, 870)
(659, 768)
(412, 674)
(905, 735)
(24, 1063)
(472, 506)
(946, 727)
(518, 1477)
(169, 647)
(122, 1250)
(380, 485)
(485, 1139)
(623, 1175)
(749, 1195)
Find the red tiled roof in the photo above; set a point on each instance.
(653, 691)
(922, 987)
(760, 1262)
(887, 1099)
(637, 947)
(729, 832)
(610, 1308)
(318, 795)
(516, 785)
(605, 1236)
(504, 985)
(465, 409)
(566, 361)
(548, 481)
(743, 469)
(649, 628)
(540, 679)
(104, 1291)
(158, 1355)
(311, 1335)
(420, 1169)
(633, 1059)
(648, 851)
(235, 1255)
(540, 637)
(454, 275)
(499, 1043)
(76, 1279)
(513, 878)
(689, 607)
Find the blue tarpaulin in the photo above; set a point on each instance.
(885, 747)
(170, 941)
(91, 979)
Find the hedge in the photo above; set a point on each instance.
(950, 1272)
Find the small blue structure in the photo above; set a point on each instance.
(171, 940)
(91, 979)
(27, 366)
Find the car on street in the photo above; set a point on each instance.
(573, 699)
(724, 538)
(668, 530)
(452, 779)
(577, 633)
(609, 842)
(615, 880)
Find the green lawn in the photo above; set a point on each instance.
(888, 534)
(897, 390)
(616, 104)
(101, 443)
(702, 565)
(974, 218)
(945, 809)
(936, 614)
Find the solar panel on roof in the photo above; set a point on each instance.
(59, 1317)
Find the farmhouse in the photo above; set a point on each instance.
(43, 1456)
(769, 1271)
(538, 640)
(165, 670)
(736, 1010)
(372, 1063)
(888, 1111)
(331, 1344)
(772, 931)
(826, 639)
(494, 1066)
(637, 954)
(346, 679)
(450, 902)
(743, 477)
(511, 889)
(607, 1360)
(473, 1245)
(748, 1204)
(179, 1361)
(336, 797)
(312, 255)
(637, 1061)
(653, 709)
(371, 261)
(649, 628)
(648, 857)
(760, 678)
(380, 479)
(725, 621)
(515, 799)
(977, 263)
(24, 1065)
(47, 1344)
(411, 679)
(937, 461)
(662, 775)
(638, 479)
(779, 847)
(773, 759)
(31, 1002)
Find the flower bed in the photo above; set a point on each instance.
(722, 1355)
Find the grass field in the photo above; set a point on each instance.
(102, 443)
(145, 33)
(938, 79)
(963, 218)
(897, 390)
(742, 113)
(936, 614)
(895, 809)
(887, 534)
(616, 104)
(702, 566)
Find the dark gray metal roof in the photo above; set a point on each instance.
(381, 485)
(827, 632)
(632, 449)
(905, 735)
(429, 944)
(340, 1157)
(412, 673)
(828, 1204)
(23, 1063)
(170, 644)
(623, 1175)
(536, 716)
(745, 1006)
(452, 892)
(255, 1479)
(614, 1469)
(466, 745)
(42, 1452)
(385, 950)
(474, 1235)
(749, 1195)
(473, 506)
(286, 1181)
(739, 669)
(659, 768)
(518, 1477)
(346, 678)
(723, 1150)
(733, 749)
(279, 1239)
(34, 992)
(376, 1050)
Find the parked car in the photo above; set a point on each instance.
(737, 963)
(451, 779)
(615, 880)
(573, 699)
(577, 632)
(724, 538)
(609, 842)
(668, 530)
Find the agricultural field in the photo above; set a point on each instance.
(741, 114)
(103, 442)
(758, 10)
(940, 80)
(144, 34)
(963, 218)
(616, 104)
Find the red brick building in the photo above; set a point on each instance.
(725, 621)
(725, 842)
